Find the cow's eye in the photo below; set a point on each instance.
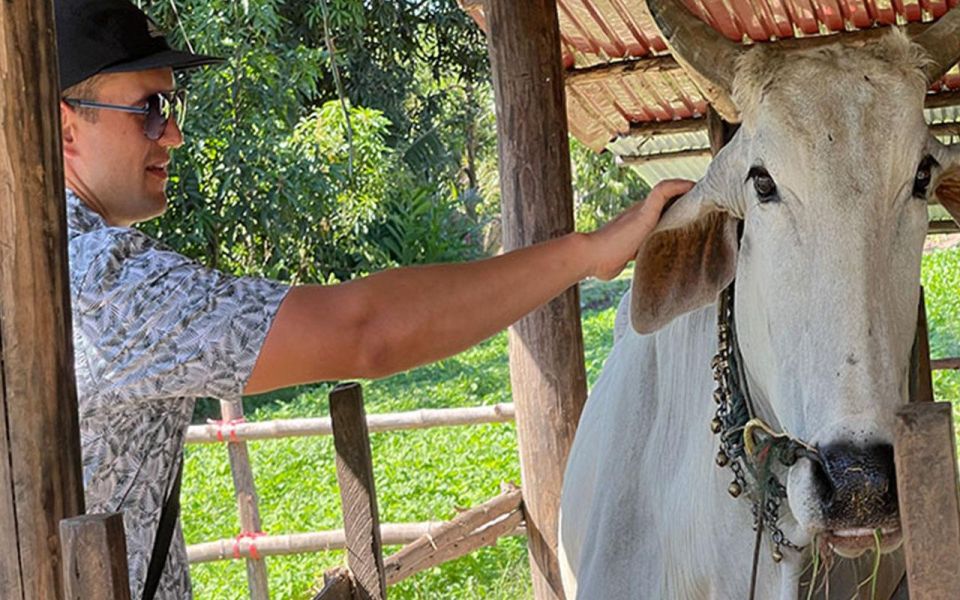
(763, 184)
(924, 174)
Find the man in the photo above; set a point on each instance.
(154, 330)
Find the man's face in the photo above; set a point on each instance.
(109, 162)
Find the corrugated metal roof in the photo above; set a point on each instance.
(619, 72)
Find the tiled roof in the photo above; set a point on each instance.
(619, 72)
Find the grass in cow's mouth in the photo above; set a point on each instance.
(816, 568)
(877, 538)
(875, 572)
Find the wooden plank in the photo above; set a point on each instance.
(337, 585)
(546, 347)
(926, 459)
(945, 363)
(942, 227)
(418, 419)
(424, 552)
(95, 557)
(246, 495)
(361, 520)
(40, 476)
(429, 557)
(921, 379)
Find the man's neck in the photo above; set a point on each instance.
(91, 201)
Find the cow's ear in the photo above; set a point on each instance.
(685, 263)
(947, 186)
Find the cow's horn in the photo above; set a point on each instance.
(708, 58)
(942, 43)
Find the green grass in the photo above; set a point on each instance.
(425, 475)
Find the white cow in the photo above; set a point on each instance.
(831, 173)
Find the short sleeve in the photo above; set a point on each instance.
(155, 324)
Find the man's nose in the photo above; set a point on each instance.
(172, 136)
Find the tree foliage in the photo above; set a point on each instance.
(272, 179)
(276, 180)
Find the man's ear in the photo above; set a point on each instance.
(68, 127)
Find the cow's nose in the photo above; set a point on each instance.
(857, 487)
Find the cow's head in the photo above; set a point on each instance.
(831, 173)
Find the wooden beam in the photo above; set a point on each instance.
(655, 128)
(944, 226)
(645, 159)
(245, 492)
(926, 466)
(40, 474)
(921, 380)
(431, 550)
(361, 521)
(95, 557)
(945, 363)
(942, 100)
(619, 68)
(337, 585)
(546, 347)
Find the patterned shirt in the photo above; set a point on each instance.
(152, 331)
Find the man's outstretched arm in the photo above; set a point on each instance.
(401, 318)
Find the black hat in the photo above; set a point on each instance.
(111, 36)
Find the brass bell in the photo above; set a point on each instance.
(734, 489)
(722, 459)
(716, 425)
(777, 555)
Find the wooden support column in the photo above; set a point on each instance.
(40, 476)
(361, 520)
(926, 463)
(246, 494)
(546, 347)
(95, 557)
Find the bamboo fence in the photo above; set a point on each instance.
(428, 544)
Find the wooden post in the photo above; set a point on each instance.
(546, 347)
(337, 585)
(40, 476)
(95, 557)
(921, 378)
(926, 465)
(361, 521)
(246, 495)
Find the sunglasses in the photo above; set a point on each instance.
(157, 111)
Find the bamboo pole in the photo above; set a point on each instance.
(391, 534)
(40, 473)
(246, 495)
(287, 428)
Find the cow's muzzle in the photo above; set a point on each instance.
(856, 487)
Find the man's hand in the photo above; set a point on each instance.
(617, 242)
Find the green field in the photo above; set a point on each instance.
(425, 475)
